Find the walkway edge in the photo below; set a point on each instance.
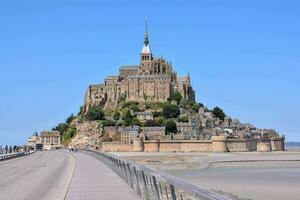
(71, 178)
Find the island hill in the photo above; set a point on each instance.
(147, 107)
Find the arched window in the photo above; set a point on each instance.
(154, 70)
(158, 69)
(164, 70)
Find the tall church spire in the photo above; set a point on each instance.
(146, 48)
(146, 38)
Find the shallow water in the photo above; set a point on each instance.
(247, 182)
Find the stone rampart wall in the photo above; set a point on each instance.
(216, 144)
(116, 147)
(277, 144)
(151, 146)
(241, 145)
(177, 146)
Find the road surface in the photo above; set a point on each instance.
(59, 175)
(42, 175)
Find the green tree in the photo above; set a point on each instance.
(183, 119)
(176, 96)
(218, 112)
(108, 123)
(136, 122)
(196, 106)
(120, 123)
(122, 98)
(116, 116)
(127, 114)
(80, 110)
(151, 122)
(132, 105)
(70, 133)
(128, 122)
(170, 126)
(70, 119)
(61, 128)
(170, 111)
(160, 121)
(95, 113)
(156, 113)
(191, 105)
(135, 108)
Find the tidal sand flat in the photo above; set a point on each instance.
(253, 175)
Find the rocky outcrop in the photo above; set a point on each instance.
(89, 134)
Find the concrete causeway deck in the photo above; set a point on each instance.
(93, 180)
(60, 175)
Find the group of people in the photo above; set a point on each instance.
(73, 149)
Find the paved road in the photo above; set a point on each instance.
(59, 175)
(42, 175)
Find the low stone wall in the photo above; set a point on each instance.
(177, 146)
(216, 144)
(219, 144)
(277, 144)
(116, 147)
(241, 145)
(264, 146)
(151, 145)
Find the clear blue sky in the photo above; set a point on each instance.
(243, 56)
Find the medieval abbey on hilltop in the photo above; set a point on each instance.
(153, 80)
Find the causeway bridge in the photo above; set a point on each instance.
(89, 175)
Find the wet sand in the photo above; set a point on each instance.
(253, 175)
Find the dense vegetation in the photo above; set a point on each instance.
(124, 114)
(170, 111)
(94, 113)
(218, 112)
(176, 96)
(170, 126)
(66, 130)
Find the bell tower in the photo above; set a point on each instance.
(146, 55)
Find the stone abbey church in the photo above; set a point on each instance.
(153, 80)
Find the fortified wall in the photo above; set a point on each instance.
(215, 144)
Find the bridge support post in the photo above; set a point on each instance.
(144, 184)
(137, 181)
(155, 188)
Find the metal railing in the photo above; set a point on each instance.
(13, 155)
(153, 185)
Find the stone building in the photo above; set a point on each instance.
(129, 133)
(184, 129)
(152, 80)
(154, 133)
(33, 140)
(144, 116)
(50, 140)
